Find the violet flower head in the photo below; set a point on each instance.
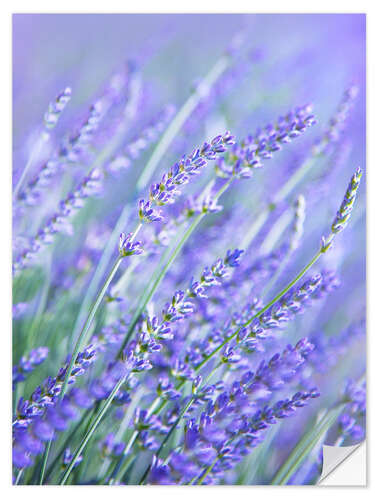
(337, 123)
(60, 221)
(345, 210)
(129, 247)
(248, 155)
(28, 363)
(166, 191)
(56, 107)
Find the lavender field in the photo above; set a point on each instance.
(189, 247)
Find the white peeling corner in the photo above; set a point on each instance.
(344, 465)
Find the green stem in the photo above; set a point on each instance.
(65, 444)
(123, 463)
(78, 346)
(166, 439)
(92, 429)
(281, 195)
(166, 139)
(178, 121)
(18, 478)
(82, 336)
(264, 309)
(37, 321)
(305, 445)
(120, 435)
(99, 272)
(150, 291)
(207, 471)
(164, 267)
(80, 471)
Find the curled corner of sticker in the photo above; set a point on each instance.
(344, 465)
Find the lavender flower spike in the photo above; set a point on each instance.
(243, 158)
(127, 247)
(299, 219)
(59, 222)
(56, 107)
(343, 215)
(28, 363)
(165, 191)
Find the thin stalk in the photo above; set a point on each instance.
(123, 464)
(280, 196)
(99, 273)
(160, 273)
(305, 446)
(18, 478)
(92, 429)
(78, 473)
(209, 468)
(65, 444)
(247, 323)
(37, 321)
(166, 439)
(158, 278)
(264, 309)
(165, 141)
(121, 431)
(78, 347)
(207, 471)
(88, 322)
(178, 121)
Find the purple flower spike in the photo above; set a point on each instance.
(129, 247)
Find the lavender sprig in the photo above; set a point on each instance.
(28, 363)
(56, 107)
(250, 153)
(138, 144)
(60, 221)
(337, 123)
(343, 215)
(166, 191)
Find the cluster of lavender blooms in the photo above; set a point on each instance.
(218, 450)
(33, 420)
(138, 144)
(351, 424)
(72, 150)
(28, 363)
(56, 107)
(337, 123)
(166, 191)
(341, 219)
(248, 155)
(116, 384)
(61, 220)
(68, 153)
